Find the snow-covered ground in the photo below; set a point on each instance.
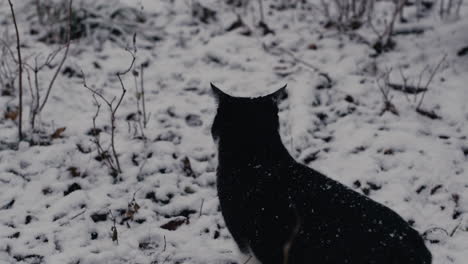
(55, 198)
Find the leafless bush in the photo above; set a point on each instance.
(384, 40)
(8, 76)
(412, 87)
(110, 160)
(432, 72)
(384, 87)
(97, 21)
(348, 14)
(37, 105)
(450, 9)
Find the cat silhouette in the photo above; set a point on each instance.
(284, 212)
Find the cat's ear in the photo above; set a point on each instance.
(279, 95)
(218, 94)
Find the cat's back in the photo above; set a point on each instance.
(335, 213)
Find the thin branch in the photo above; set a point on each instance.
(142, 88)
(63, 59)
(133, 57)
(114, 152)
(78, 215)
(385, 90)
(201, 207)
(309, 65)
(95, 133)
(421, 74)
(7, 47)
(20, 68)
(94, 91)
(121, 96)
(113, 110)
(405, 84)
(399, 5)
(432, 74)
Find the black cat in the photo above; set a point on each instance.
(284, 212)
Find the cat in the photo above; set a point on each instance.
(284, 212)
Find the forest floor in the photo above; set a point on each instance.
(59, 202)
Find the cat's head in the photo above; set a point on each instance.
(245, 116)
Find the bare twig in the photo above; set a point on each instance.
(51, 84)
(101, 152)
(93, 91)
(78, 215)
(455, 229)
(385, 90)
(142, 88)
(37, 106)
(405, 84)
(305, 63)
(113, 163)
(68, 221)
(201, 207)
(132, 52)
(139, 98)
(348, 15)
(431, 77)
(20, 69)
(114, 152)
(384, 39)
(399, 5)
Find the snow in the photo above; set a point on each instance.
(411, 163)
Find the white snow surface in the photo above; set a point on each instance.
(413, 164)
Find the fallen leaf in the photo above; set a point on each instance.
(175, 223)
(12, 115)
(312, 46)
(58, 132)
